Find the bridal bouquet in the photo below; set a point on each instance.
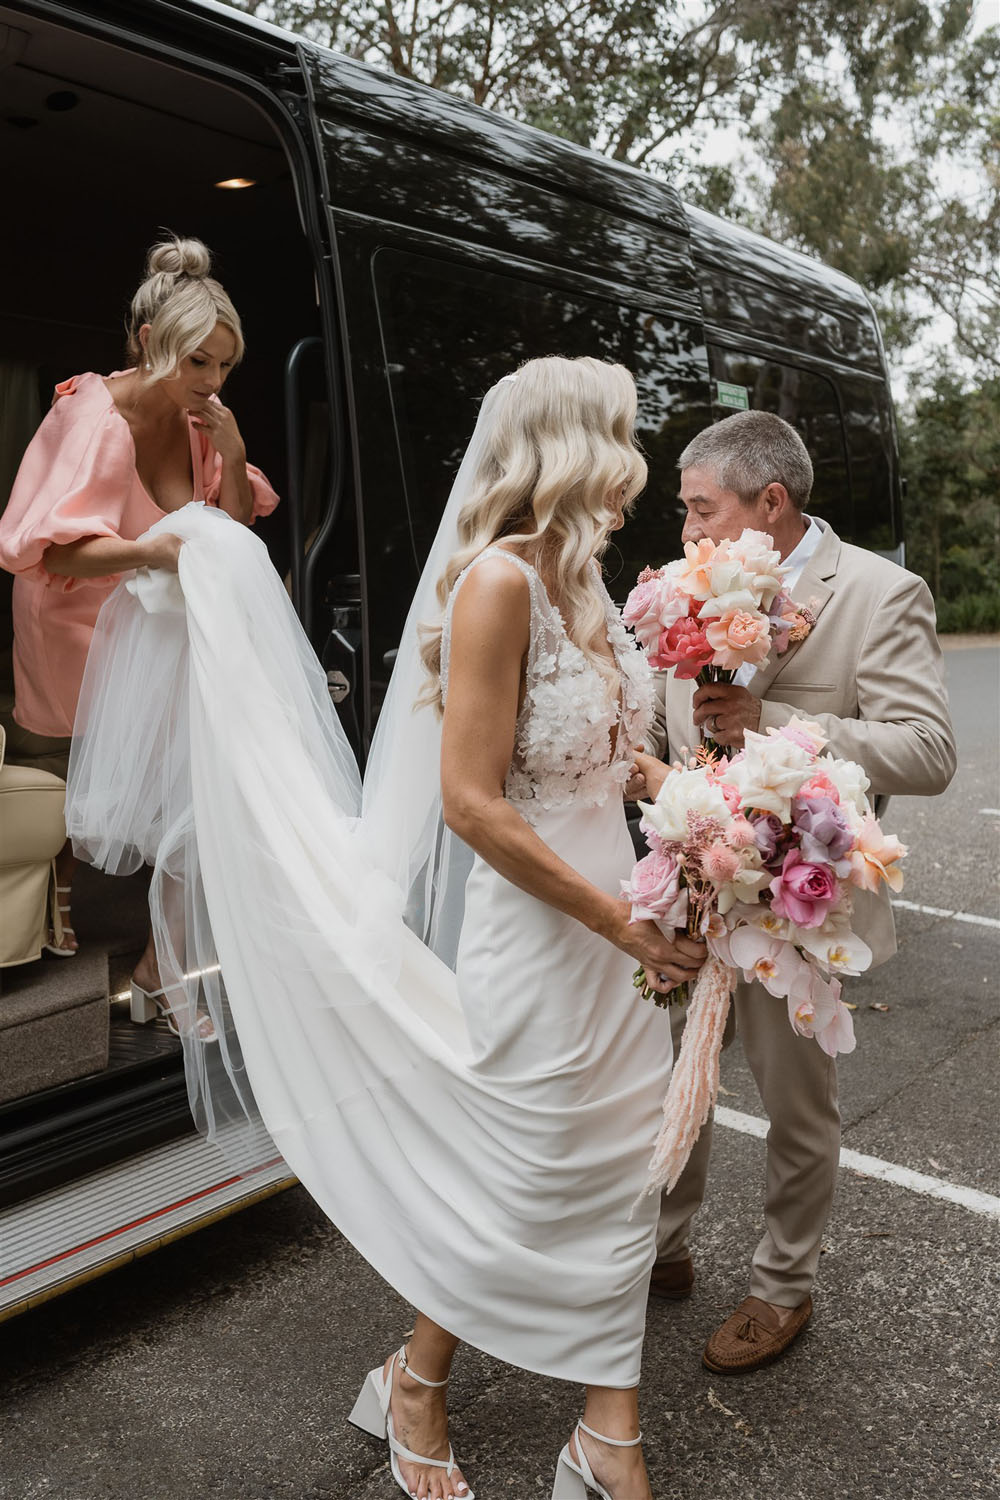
(718, 608)
(760, 854)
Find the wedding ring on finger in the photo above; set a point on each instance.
(662, 979)
(712, 725)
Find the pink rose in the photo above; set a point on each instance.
(685, 647)
(655, 891)
(640, 614)
(739, 637)
(803, 892)
(819, 786)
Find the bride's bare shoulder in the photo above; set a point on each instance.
(494, 594)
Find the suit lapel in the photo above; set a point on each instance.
(814, 591)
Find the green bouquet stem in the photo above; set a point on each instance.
(677, 996)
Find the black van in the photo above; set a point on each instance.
(392, 252)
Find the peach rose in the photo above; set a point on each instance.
(739, 637)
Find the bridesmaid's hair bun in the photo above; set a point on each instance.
(181, 304)
(177, 257)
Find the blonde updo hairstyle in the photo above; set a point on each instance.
(181, 303)
(561, 453)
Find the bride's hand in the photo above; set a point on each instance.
(650, 772)
(162, 551)
(668, 961)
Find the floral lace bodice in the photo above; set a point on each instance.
(562, 747)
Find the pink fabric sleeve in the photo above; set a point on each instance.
(264, 497)
(74, 481)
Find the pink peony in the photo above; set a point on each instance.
(803, 892)
(739, 637)
(655, 891)
(683, 647)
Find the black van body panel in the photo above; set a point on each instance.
(448, 244)
(753, 288)
(395, 107)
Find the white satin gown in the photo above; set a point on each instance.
(480, 1135)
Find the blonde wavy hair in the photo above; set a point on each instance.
(561, 463)
(181, 303)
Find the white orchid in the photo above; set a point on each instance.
(837, 948)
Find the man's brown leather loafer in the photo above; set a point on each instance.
(673, 1279)
(753, 1336)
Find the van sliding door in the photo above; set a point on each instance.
(455, 263)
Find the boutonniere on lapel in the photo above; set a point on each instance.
(718, 608)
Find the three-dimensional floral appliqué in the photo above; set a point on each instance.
(563, 741)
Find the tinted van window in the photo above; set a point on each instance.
(449, 332)
(809, 402)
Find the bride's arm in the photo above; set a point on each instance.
(489, 642)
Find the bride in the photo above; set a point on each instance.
(472, 1097)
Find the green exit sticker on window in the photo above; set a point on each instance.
(736, 396)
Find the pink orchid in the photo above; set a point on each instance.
(773, 962)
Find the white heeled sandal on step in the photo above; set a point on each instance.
(371, 1413)
(60, 928)
(573, 1479)
(146, 1004)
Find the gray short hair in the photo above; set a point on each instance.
(750, 450)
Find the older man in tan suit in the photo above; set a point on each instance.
(870, 674)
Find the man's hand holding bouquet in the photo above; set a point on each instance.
(760, 854)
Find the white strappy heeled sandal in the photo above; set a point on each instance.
(146, 1005)
(60, 927)
(371, 1413)
(573, 1479)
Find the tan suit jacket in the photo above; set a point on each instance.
(870, 673)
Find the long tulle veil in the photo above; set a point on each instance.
(306, 903)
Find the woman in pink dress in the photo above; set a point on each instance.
(113, 455)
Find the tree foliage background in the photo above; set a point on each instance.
(865, 132)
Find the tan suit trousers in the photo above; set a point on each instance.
(797, 1083)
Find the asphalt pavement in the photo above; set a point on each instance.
(223, 1367)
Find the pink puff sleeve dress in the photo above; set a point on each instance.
(78, 479)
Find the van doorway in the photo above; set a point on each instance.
(102, 148)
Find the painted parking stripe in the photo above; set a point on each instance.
(944, 911)
(885, 1171)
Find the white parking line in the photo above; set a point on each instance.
(886, 1171)
(943, 911)
(989, 812)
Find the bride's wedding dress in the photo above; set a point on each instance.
(480, 1133)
